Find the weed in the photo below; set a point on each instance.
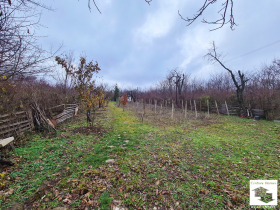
(105, 201)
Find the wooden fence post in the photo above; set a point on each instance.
(249, 111)
(172, 110)
(29, 112)
(186, 109)
(208, 108)
(217, 107)
(227, 108)
(195, 108)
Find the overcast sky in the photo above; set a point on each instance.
(136, 44)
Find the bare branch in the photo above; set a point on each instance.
(148, 1)
(216, 57)
(227, 9)
(94, 5)
(199, 12)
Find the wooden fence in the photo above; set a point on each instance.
(69, 111)
(15, 124)
(205, 106)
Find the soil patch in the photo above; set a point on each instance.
(97, 129)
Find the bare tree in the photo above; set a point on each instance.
(239, 82)
(176, 78)
(19, 53)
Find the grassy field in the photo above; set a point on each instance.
(198, 163)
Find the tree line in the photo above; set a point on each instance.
(260, 89)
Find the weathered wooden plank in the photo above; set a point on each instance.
(57, 106)
(9, 115)
(65, 117)
(68, 109)
(13, 119)
(64, 113)
(16, 129)
(15, 132)
(61, 114)
(18, 132)
(25, 127)
(4, 142)
(76, 111)
(30, 118)
(71, 105)
(14, 124)
(20, 126)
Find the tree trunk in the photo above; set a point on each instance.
(240, 100)
(89, 118)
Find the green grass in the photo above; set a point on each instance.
(105, 201)
(204, 164)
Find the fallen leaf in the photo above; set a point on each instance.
(234, 198)
(66, 200)
(90, 202)
(9, 192)
(56, 193)
(110, 161)
(229, 204)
